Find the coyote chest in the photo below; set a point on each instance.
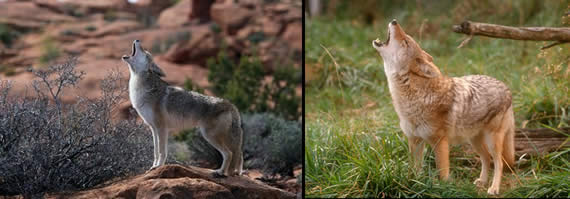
(421, 109)
(139, 100)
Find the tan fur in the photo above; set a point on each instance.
(443, 110)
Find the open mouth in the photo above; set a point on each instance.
(134, 50)
(379, 43)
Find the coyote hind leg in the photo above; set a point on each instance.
(237, 162)
(236, 166)
(497, 153)
(214, 137)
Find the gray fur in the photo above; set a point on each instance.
(168, 108)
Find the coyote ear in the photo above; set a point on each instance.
(154, 68)
(425, 69)
(427, 56)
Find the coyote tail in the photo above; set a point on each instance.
(509, 141)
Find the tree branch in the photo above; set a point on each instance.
(561, 35)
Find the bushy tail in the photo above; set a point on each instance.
(509, 141)
(237, 132)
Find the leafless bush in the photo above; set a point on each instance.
(48, 146)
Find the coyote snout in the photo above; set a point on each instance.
(166, 108)
(442, 110)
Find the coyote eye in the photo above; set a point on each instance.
(406, 42)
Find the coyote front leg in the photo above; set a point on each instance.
(416, 146)
(162, 146)
(441, 148)
(480, 147)
(155, 146)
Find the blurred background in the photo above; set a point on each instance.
(246, 51)
(181, 34)
(538, 78)
(354, 146)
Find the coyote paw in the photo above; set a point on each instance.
(480, 183)
(493, 191)
(152, 168)
(217, 174)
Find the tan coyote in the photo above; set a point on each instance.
(442, 110)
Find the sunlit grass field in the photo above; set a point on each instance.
(354, 146)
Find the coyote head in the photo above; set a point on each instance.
(402, 55)
(141, 60)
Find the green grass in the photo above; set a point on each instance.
(354, 146)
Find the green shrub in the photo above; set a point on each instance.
(110, 16)
(215, 28)
(281, 91)
(242, 85)
(69, 32)
(90, 28)
(7, 71)
(50, 51)
(8, 35)
(256, 37)
(189, 85)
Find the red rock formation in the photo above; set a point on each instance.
(174, 181)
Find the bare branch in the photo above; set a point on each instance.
(465, 41)
(553, 44)
(517, 33)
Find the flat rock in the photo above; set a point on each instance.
(175, 181)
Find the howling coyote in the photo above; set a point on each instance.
(444, 110)
(166, 108)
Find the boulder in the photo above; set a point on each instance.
(293, 35)
(29, 16)
(176, 15)
(203, 44)
(270, 27)
(175, 181)
(231, 17)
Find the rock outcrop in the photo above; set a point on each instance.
(273, 30)
(100, 32)
(175, 181)
(175, 16)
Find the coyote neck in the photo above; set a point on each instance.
(146, 85)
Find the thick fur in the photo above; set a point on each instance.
(442, 110)
(166, 109)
